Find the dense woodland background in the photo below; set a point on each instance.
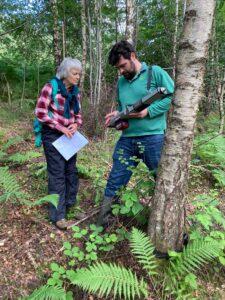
(87, 30)
(35, 36)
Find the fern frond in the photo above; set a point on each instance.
(20, 158)
(11, 189)
(143, 249)
(193, 257)
(105, 278)
(48, 293)
(52, 198)
(8, 181)
(2, 154)
(12, 141)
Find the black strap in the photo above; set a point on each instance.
(149, 77)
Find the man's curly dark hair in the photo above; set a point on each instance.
(122, 48)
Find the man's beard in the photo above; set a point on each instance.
(131, 73)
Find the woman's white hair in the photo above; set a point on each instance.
(66, 65)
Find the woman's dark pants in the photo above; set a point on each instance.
(62, 175)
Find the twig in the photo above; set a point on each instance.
(85, 218)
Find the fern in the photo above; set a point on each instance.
(143, 249)
(11, 191)
(21, 158)
(193, 256)
(12, 141)
(49, 293)
(52, 198)
(104, 278)
(8, 181)
(2, 154)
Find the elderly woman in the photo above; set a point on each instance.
(60, 114)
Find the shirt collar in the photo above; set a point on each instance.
(144, 67)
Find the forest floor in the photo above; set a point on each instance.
(29, 243)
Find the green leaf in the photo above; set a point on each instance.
(54, 267)
(222, 260)
(190, 279)
(67, 245)
(124, 210)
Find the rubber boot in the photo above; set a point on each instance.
(105, 211)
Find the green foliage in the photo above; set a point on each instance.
(209, 221)
(10, 186)
(50, 293)
(21, 158)
(53, 199)
(103, 278)
(143, 249)
(11, 191)
(193, 256)
(141, 187)
(94, 241)
(211, 151)
(12, 142)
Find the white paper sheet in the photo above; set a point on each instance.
(67, 147)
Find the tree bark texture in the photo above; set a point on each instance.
(130, 20)
(175, 38)
(221, 104)
(167, 217)
(84, 43)
(56, 34)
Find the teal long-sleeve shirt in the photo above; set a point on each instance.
(130, 91)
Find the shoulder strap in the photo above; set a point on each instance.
(54, 91)
(149, 77)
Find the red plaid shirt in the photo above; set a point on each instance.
(45, 104)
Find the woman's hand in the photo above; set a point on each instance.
(109, 116)
(73, 128)
(66, 131)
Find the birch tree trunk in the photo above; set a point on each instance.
(130, 20)
(175, 39)
(97, 88)
(56, 34)
(167, 217)
(221, 104)
(84, 43)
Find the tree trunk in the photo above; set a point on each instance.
(56, 34)
(167, 217)
(24, 84)
(175, 39)
(221, 105)
(84, 43)
(130, 21)
(98, 81)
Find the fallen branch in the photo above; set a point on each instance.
(85, 218)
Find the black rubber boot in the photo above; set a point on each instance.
(105, 211)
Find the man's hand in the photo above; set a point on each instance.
(109, 116)
(139, 115)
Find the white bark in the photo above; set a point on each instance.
(84, 43)
(167, 217)
(221, 105)
(175, 39)
(56, 33)
(130, 20)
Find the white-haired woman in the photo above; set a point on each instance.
(59, 113)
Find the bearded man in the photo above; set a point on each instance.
(144, 136)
